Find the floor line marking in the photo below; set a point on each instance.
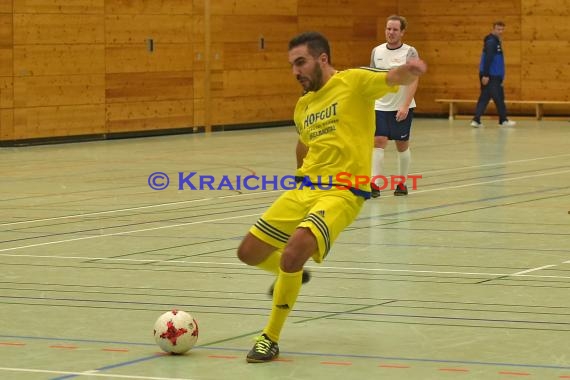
(493, 181)
(532, 270)
(131, 208)
(126, 232)
(520, 274)
(87, 373)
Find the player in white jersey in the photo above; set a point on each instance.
(395, 111)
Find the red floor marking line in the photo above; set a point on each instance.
(514, 373)
(393, 366)
(283, 360)
(64, 347)
(115, 349)
(454, 369)
(565, 377)
(222, 357)
(12, 344)
(336, 363)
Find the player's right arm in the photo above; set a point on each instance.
(407, 73)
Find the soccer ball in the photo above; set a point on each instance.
(176, 332)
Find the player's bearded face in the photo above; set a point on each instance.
(313, 80)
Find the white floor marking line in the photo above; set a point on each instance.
(494, 181)
(532, 270)
(126, 232)
(130, 209)
(494, 164)
(316, 268)
(87, 373)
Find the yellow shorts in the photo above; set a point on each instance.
(325, 212)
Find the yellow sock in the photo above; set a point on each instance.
(272, 263)
(284, 296)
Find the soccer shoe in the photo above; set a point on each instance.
(401, 189)
(508, 123)
(476, 124)
(375, 193)
(306, 278)
(264, 350)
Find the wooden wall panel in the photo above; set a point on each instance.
(137, 87)
(6, 7)
(6, 92)
(136, 58)
(58, 6)
(545, 51)
(146, 89)
(58, 28)
(251, 109)
(59, 59)
(6, 72)
(138, 28)
(6, 59)
(487, 9)
(162, 7)
(54, 90)
(142, 116)
(6, 29)
(82, 66)
(40, 122)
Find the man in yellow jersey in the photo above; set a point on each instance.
(335, 123)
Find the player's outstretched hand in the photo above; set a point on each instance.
(417, 66)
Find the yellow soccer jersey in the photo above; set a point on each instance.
(337, 124)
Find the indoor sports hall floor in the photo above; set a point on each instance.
(466, 278)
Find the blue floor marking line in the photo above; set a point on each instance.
(112, 366)
(354, 356)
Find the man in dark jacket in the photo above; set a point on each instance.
(491, 75)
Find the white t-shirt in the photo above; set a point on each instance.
(384, 58)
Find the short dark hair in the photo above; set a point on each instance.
(498, 23)
(402, 19)
(315, 41)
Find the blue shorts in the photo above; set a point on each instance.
(386, 125)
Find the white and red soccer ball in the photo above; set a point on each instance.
(176, 332)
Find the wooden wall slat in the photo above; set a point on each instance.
(7, 124)
(141, 116)
(59, 59)
(58, 29)
(162, 7)
(6, 59)
(6, 92)
(489, 9)
(133, 87)
(57, 90)
(533, 28)
(39, 122)
(136, 59)
(545, 8)
(251, 109)
(59, 6)
(6, 37)
(250, 7)
(120, 29)
(6, 7)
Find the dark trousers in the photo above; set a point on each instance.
(493, 90)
